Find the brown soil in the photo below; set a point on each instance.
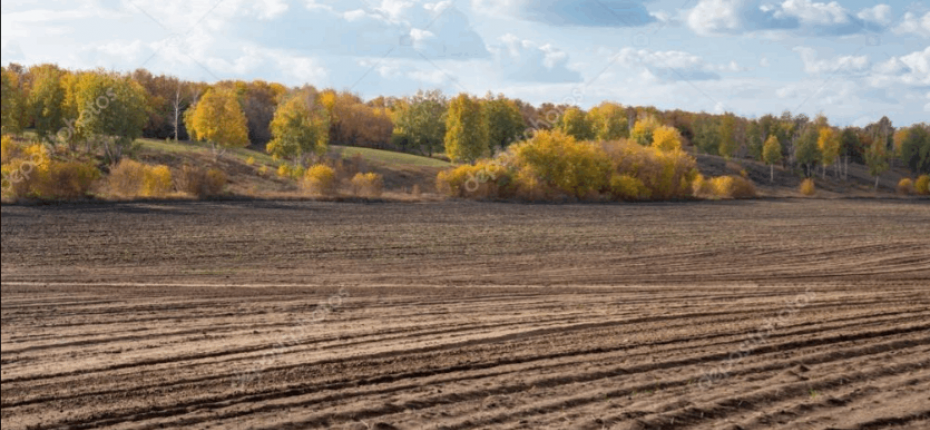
(790, 314)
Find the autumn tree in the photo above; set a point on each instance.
(609, 122)
(12, 100)
(771, 154)
(467, 131)
(218, 119)
(707, 134)
(505, 122)
(915, 149)
(728, 145)
(45, 99)
(574, 122)
(643, 130)
(419, 122)
(112, 111)
(828, 142)
(299, 128)
(876, 158)
(666, 139)
(851, 147)
(806, 151)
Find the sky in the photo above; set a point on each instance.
(854, 61)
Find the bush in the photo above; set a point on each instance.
(562, 165)
(922, 186)
(126, 178)
(905, 186)
(250, 161)
(157, 182)
(133, 179)
(482, 180)
(368, 185)
(628, 188)
(808, 188)
(724, 187)
(666, 174)
(7, 148)
(284, 171)
(320, 180)
(201, 183)
(264, 171)
(69, 180)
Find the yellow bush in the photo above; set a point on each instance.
(127, 178)
(320, 180)
(561, 164)
(250, 161)
(368, 185)
(199, 182)
(482, 180)
(905, 186)
(69, 180)
(808, 188)
(722, 186)
(284, 171)
(625, 187)
(157, 182)
(922, 186)
(702, 187)
(7, 148)
(264, 171)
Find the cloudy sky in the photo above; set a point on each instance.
(853, 60)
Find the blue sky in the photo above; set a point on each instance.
(853, 60)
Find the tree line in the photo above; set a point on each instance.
(105, 110)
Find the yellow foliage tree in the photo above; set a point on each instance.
(666, 139)
(771, 154)
(219, 120)
(643, 130)
(829, 143)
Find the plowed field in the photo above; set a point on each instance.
(805, 314)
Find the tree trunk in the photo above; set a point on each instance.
(773, 173)
(876, 183)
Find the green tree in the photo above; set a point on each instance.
(505, 122)
(771, 154)
(876, 157)
(12, 100)
(218, 119)
(609, 121)
(806, 152)
(467, 131)
(112, 111)
(915, 149)
(574, 122)
(298, 129)
(727, 135)
(419, 121)
(707, 135)
(46, 97)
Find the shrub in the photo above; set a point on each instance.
(7, 148)
(564, 165)
(157, 182)
(201, 183)
(368, 185)
(284, 171)
(482, 180)
(264, 171)
(743, 188)
(922, 186)
(69, 180)
(905, 186)
(723, 187)
(667, 174)
(624, 187)
(127, 178)
(250, 161)
(133, 179)
(320, 180)
(808, 188)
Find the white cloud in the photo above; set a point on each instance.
(909, 70)
(911, 24)
(525, 61)
(580, 13)
(673, 65)
(803, 16)
(846, 64)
